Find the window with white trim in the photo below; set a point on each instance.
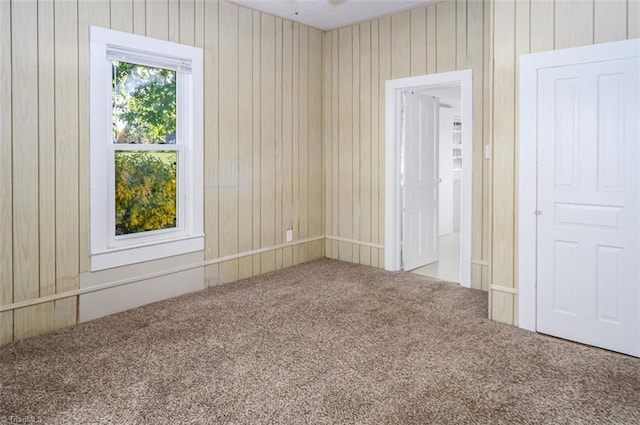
(145, 149)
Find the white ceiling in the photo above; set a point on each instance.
(330, 14)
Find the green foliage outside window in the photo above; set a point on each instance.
(144, 104)
(144, 112)
(145, 191)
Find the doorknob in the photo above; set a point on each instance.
(439, 179)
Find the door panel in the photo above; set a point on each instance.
(420, 181)
(588, 193)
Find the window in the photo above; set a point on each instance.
(145, 149)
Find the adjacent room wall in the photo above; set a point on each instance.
(263, 154)
(358, 59)
(522, 27)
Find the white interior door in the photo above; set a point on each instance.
(588, 195)
(420, 181)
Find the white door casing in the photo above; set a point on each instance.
(420, 180)
(392, 195)
(584, 283)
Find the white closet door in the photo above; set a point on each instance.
(588, 196)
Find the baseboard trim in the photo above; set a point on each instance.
(506, 289)
(353, 241)
(102, 287)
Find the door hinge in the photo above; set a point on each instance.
(538, 212)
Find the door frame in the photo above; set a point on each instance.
(393, 198)
(528, 157)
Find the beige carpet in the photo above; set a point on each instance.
(321, 343)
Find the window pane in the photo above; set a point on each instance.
(145, 191)
(144, 104)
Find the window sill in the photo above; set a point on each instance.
(140, 253)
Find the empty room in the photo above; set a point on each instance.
(320, 211)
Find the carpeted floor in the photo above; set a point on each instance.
(321, 343)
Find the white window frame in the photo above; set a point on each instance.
(107, 250)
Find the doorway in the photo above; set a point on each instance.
(454, 92)
(451, 162)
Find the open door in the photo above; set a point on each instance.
(419, 180)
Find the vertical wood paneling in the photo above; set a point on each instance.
(315, 142)
(122, 15)
(248, 154)
(187, 21)
(211, 139)
(257, 104)
(419, 41)
(327, 139)
(199, 23)
(503, 155)
(366, 139)
(303, 140)
(346, 142)
(66, 81)
(461, 34)
(46, 150)
(376, 98)
(278, 141)
(228, 131)
(573, 23)
(522, 43)
(355, 155)
(245, 148)
(139, 17)
(400, 45)
(266, 173)
(287, 136)
(608, 15)
(6, 176)
(25, 151)
(295, 151)
(174, 20)
(542, 21)
(267, 147)
(158, 19)
(33, 320)
(446, 36)
(384, 70)
(335, 175)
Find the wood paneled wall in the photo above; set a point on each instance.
(276, 157)
(357, 61)
(263, 136)
(520, 27)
